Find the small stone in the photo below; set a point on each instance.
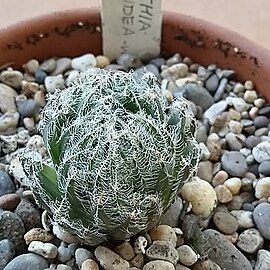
(29, 214)
(205, 170)
(27, 261)
(234, 141)
(244, 218)
(238, 88)
(158, 265)
(261, 121)
(238, 103)
(48, 65)
(40, 98)
(84, 62)
(7, 252)
(264, 168)
(52, 83)
(11, 78)
(201, 135)
(63, 267)
(175, 59)
(175, 71)
(64, 235)
(7, 98)
(110, 260)
(82, 254)
(216, 109)
(102, 61)
(253, 112)
(201, 195)
(89, 264)
(263, 260)
(205, 265)
(235, 203)
(138, 261)
(234, 163)
(235, 127)
(29, 88)
(9, 201)
(261, 152)
(6, 184)
(129, 61)
(31, 66)
(250, 241)
(158, 62)
(212, 83)
(221, 89)
(125, 250)
(215, 150)
(14, 228)
(205, 153)
(172, 214)
(40, 76)
(262, 189)
(29, 123)
(187, 255)
(219, 178)
(72, 76)
(162, 250)
(46, 250)
(223, 194)
(250, 96)
(261, 132)
(261, 215)
(37, 234)
(64, 253)
(224, 253)
(249, 85)
(264, 111)
(62, 65)
(164, 233)
(225, 222)
(28, 108)
(233, 184)
(252, 141)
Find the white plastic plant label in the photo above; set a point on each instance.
(131, 26)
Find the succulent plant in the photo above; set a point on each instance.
(118, 155)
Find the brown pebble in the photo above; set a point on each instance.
(9, 201)
(205, 265)
(89, 264)
(102, 61)
(219, 178)
(37, 234)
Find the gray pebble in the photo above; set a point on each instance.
(265, 111)
(221, 89)
(7, 252)
(248, 207)
(261, 152)
(212, 83)
(198, 95)
(7, 98)
(252, 141)
(129, 61)
(28, 261)
(225, 222)
(162, 250)
(172, 214)
(84, 62)
(62, 65)
(250, 241)
(175, 59)
(201, 135)
(48, 65)
(12, 78)
(46, 250)
(54, 82)
(28, 213)
(14, 228)
(264, 168)
(224, 253)
(64, 253)
(31, 66)
(234, 163)
(28, 108)
(205, 170)
(40, 76)
(6, 184)
(63, 267)
(152, 68)
(158, 62)
(225, 73)
(82, 254)
(244, 218)
(263, 260)
(261, 121)
(238, 103)
(234, 141)
(158, 265)
(203, 73)
(261, 215)
(216, 109)
(187, 255)
(261, 132)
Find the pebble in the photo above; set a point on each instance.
(11, 78)
(28, 213)
(28, 108)
(47, 250)
(84, 62)
(250, 96)
(261, 215)
(82, 254)
(234, 163)
(264, 168)
(64, 235)
(262, 189)
(72, 76)
(201, 195)
(263, 260)
(212, 83)
(233, 184)
(238, 103)
(238, 88)
(9, 201)
(264, 111)
(205, 170)
(172, 214)
(244, 218)
(64, 253)
(138, 261)
(29, 123)
(129, 61)
(6, 184)
(40, 98)
(261, 132)
(216, 109)
(7, 98)
(37, 234)
(223, 194)
(261, 152)
(125, 250)
(62, 65)
(235, 127)
(158, 265)
(54, 82)
(221, 89)
(63, 267)
(162, 250)
(110, 260)
(224, 253)
(261, 121)
(219, 178)
(250, 241)
(27, 261)
(235, 203)
(175, 59)
(252, 141)
(187, 255)
(205, 265)
(225, 222)
(165, 233)
(48, 65)
(175, 72)
(29, 88)
(7, 252)
(40, 76)
(89, 264)
(248, 85)
(158, 62)
(31, 66)
(205, 153)
(234, 141)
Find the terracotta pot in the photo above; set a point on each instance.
(75, 32)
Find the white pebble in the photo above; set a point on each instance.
(233, 184)
(244, 218)
(261, 152)
(262, 189)
(187, 255)
(84, 62)
(47, 250)
(52, 83)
